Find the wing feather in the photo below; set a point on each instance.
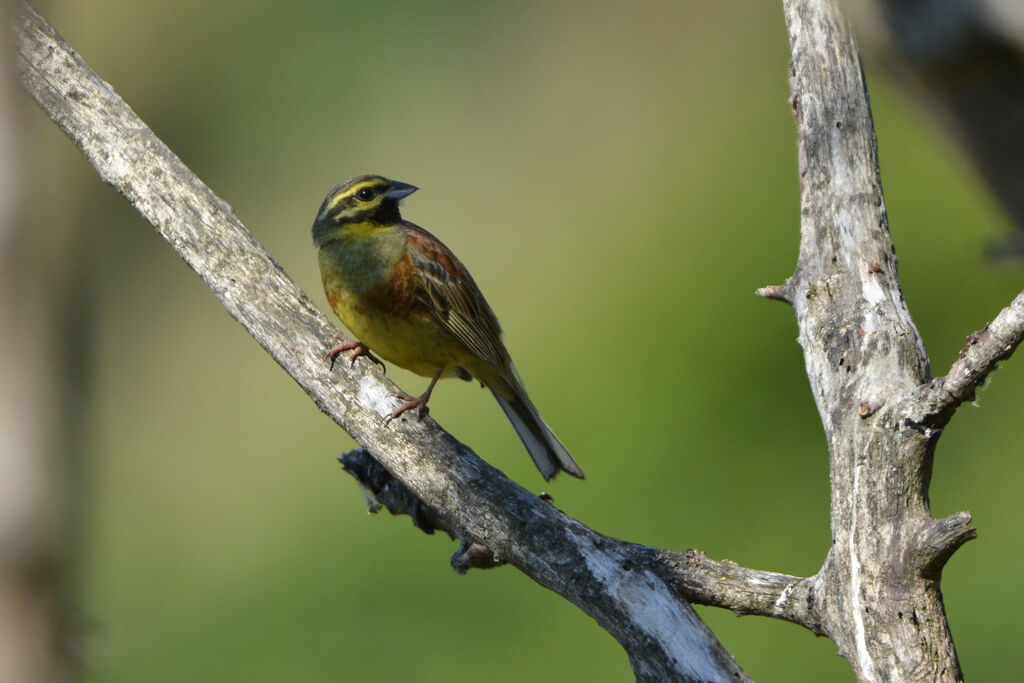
(447, 290)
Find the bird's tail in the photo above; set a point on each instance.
(547, 451)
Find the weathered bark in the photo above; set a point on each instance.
(662, 635)
(878, 590)
(697, 578)
(877, 593)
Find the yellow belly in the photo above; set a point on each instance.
(415, 341)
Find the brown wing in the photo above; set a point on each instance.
(446, 289)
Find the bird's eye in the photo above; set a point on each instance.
(365, 194)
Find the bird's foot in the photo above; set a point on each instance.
(357, 348)
(417, 403)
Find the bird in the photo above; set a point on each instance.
(406, 298)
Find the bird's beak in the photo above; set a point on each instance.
(399, 190)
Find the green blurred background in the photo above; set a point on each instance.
(619, 180)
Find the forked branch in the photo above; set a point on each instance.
(865, 360)
(663, 636)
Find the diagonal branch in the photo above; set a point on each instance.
(663, 636)
(696, 577)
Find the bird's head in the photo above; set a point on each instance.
(363, 199)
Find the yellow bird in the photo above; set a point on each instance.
(406, 296)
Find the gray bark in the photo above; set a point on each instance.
(877, 593)
(662, 635)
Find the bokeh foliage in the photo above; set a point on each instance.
(619, 179)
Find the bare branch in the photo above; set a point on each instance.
(776, 292)
(936, 543)
(858, 338)
(940, 398)
(697, 578)
(663, 636)
(864, 357)
(381, 489)
(744, 591)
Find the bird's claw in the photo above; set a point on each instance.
(418, 403)
(357, 348)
